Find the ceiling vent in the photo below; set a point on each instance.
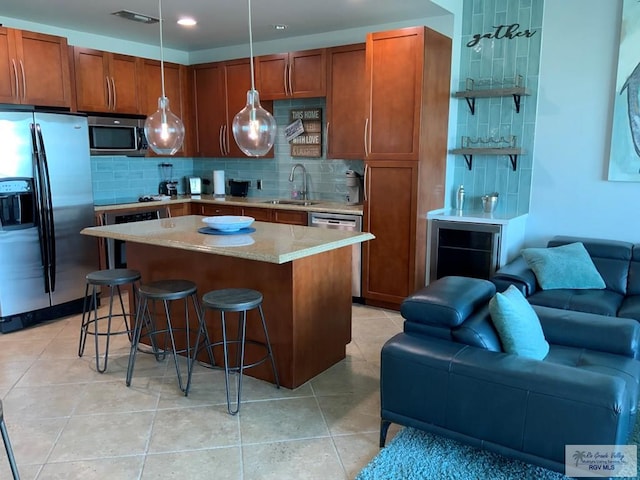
(135, 17)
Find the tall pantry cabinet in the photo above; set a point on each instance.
(408, 82)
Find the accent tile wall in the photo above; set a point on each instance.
(120, 179)
(494, 61)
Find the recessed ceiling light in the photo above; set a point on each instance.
(280, 26)
(187, 22)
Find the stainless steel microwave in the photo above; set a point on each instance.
(117, 136)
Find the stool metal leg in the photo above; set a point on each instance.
(85, 318)
(202, 332)
(7, 446)
(242, 319)
(137, 329)
(266, 336)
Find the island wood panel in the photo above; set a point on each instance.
(307, 303)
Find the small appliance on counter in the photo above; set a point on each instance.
(239, 188)
(354, 187)
(195, 185)
(167, 186)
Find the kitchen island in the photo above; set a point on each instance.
(303, 273)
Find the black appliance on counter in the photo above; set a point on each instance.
(238, 188)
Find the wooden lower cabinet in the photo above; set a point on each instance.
(211, 210)
(393, 263)
(260, 214)
(178, 209)
(292, 217)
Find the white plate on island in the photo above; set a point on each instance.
(228, 223)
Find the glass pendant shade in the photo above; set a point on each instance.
(254, 128)
(164, 130)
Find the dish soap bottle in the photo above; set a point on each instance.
(460, 198)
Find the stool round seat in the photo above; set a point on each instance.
(240, 300)
(100, 326)
(114, 276)
(168, 289)
(232, 299)
(158, 326)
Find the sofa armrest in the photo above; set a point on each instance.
(620, 336)
(517, 273)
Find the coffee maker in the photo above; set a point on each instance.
(354, 187)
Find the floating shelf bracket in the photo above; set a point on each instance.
(468, 157)
(471, 102)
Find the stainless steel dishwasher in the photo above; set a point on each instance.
(352, 223)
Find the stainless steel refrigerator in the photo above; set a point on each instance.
(46, 198)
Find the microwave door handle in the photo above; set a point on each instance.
(48, 211)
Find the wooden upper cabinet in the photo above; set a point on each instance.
(176, 90)
(394, 72)
(106, 82)
(220, 91)
(34, 69)
(291, 75)
(210, 109)
(346, 101)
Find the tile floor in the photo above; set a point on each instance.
(66, 421)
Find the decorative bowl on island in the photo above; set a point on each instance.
(228, 223)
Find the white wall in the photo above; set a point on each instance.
(570, 192)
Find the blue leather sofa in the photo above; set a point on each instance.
(619, 266)
(446, 373)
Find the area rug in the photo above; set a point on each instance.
(418, 455)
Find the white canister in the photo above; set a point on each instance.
(218, 183)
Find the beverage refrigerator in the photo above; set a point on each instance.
(46, 199)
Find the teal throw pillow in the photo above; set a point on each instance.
(566, 266)
(518, 324)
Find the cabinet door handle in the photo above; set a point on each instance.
(366, 169)
(366, 129)
(106, 79)
(290, 80)
(15, 76)
(220, 140)
(24, 81)
(225, 141)
(326, 134)
(115, 98)
(284, 79)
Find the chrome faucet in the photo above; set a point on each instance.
(303, 192)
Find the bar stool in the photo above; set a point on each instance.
(7, 446)
(113, 278)
(239, 300)
(165, 291)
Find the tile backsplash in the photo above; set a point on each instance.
(119, 179)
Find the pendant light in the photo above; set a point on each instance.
(164, 130)
(254, 128)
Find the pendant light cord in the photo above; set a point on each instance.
(253, 87)
(161, 48)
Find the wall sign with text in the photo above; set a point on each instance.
(309, 143)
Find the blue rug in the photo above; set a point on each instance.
(418, 455)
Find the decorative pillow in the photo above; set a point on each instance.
(566, 266)
(518, 325)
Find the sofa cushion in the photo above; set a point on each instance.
(478, 331)
(611, 258)
(565, 266)
(630, 307)
(517, 324)
(602, 302)
(633, 282)
(625, 368)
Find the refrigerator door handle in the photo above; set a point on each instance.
(41, 222)
(50, 245)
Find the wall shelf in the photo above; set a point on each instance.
(470, 94)
(468, 153)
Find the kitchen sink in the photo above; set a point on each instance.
(302, 203)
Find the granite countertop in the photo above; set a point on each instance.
(271, 242)
(317, 206)
(477, 216)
